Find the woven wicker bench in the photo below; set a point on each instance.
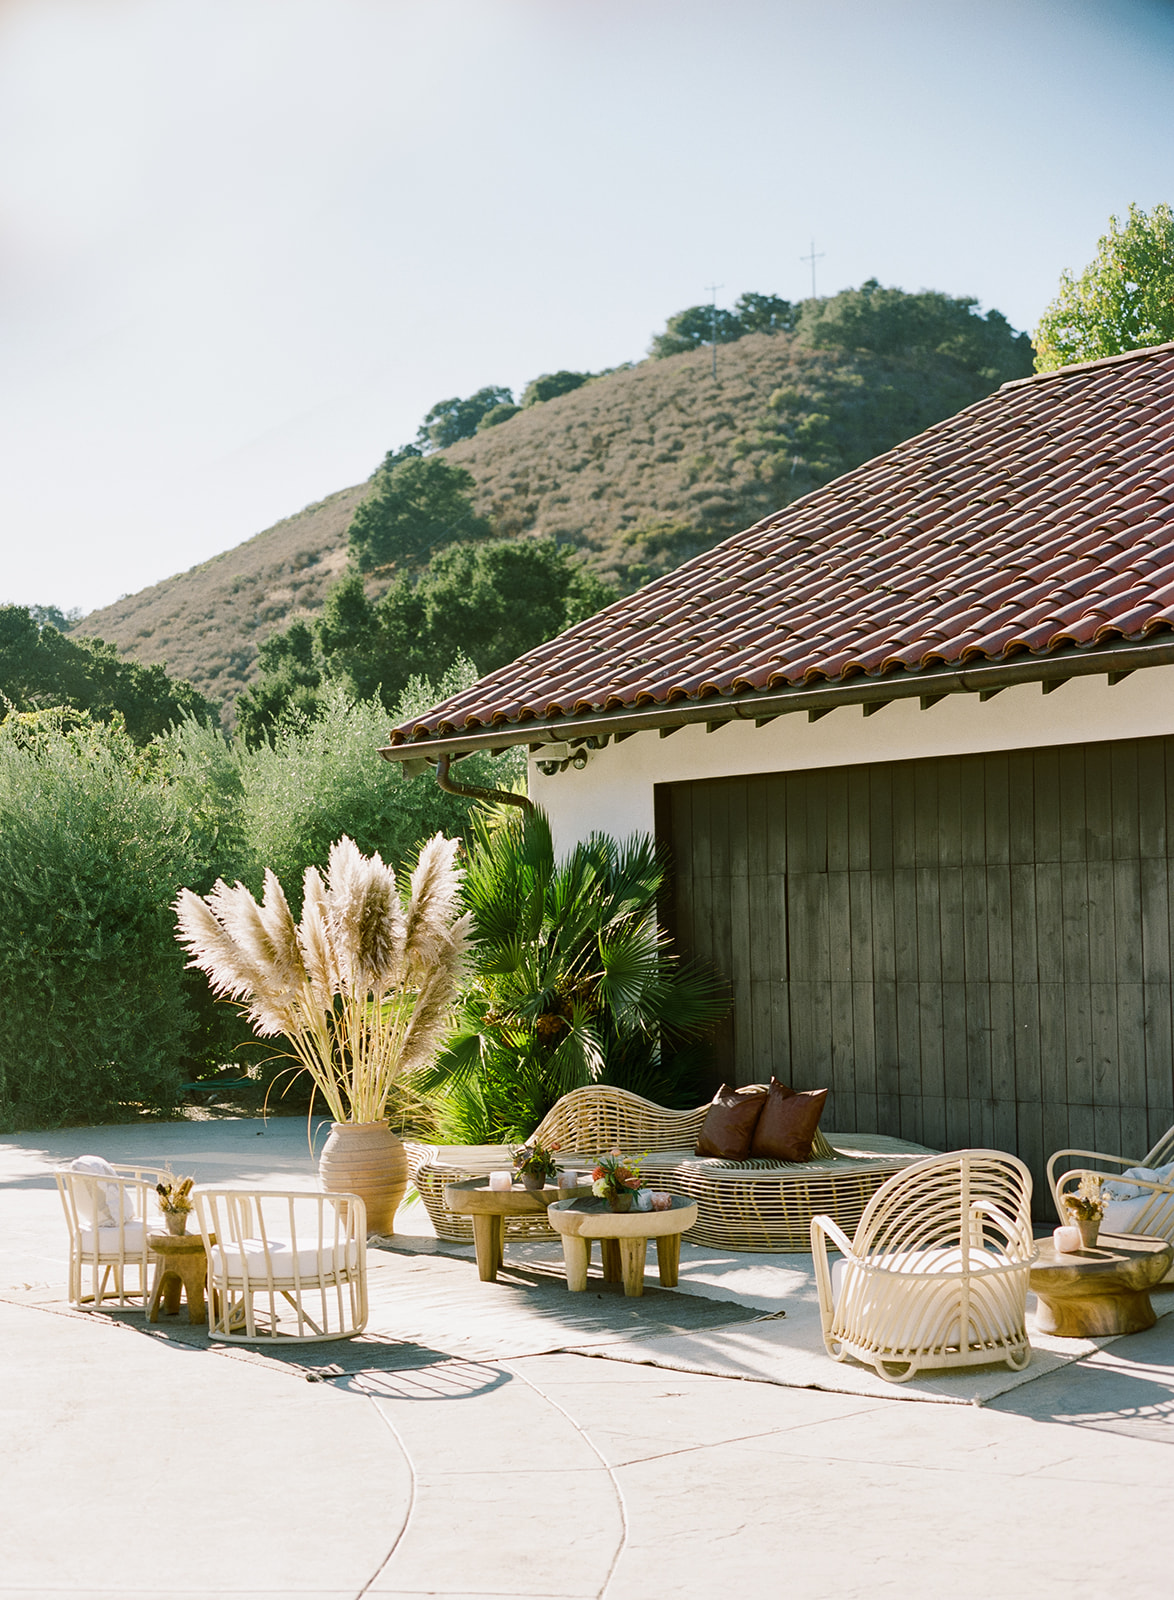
(761, 1205)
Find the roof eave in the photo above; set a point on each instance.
(984, 679)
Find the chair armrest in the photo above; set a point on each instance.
(824, 1228)
(1089, 1155)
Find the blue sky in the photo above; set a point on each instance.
(245, 244)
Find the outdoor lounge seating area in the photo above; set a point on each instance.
(753, 1205)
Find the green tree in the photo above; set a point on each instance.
(41, 667)
(890, 322)
(765, 313)
(289, 685)
(1124, 300)
(450, 420)
(417, 505)
(551, 384)
(694, 327)
(572, 982)
(498, 415)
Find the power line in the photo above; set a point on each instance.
(813, 258)
(712, 288)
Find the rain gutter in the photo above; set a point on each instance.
(929, 686)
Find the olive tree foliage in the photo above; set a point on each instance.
(551, 384)
(321, 779)
(416, 505)
(1123, 300)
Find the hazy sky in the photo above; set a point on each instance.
(245, 244)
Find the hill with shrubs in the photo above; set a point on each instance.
(630, 471)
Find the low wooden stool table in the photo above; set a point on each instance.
(490, 1207)
(622, 1233)
(1100, 1291)
(181, 1267)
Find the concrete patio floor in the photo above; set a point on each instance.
(129, 1466)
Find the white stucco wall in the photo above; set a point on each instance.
(613, 794)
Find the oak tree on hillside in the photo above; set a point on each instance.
(450, 420)
(416, 506)
(1123, 300)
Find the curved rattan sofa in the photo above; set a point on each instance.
(741, 1205)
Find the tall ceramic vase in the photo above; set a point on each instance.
(367, 1159)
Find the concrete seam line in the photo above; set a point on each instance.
(594, 1448)
(398, 1540)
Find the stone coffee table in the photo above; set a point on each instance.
(1101, 1291)
(490, 1207)
(581, 1221)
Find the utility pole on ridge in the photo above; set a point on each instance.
(713, 289)
(813, 258)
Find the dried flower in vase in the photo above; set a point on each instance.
(1086, 1203)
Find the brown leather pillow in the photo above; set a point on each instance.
(788, 1122)
(729, 1123)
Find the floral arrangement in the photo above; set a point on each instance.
(362, 987)
(1086, 1203)
(534, 1160)
(175, 1199)
(615, 1175)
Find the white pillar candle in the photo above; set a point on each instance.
(568, 1179)
(501, 1180)
(1066, 1240)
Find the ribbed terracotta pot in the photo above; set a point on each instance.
(367, 1159)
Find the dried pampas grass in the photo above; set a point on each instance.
(362, 987)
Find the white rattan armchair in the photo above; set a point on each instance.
(1149, 1210)
(937, 1273)
(284, 1264)
(108, 1215)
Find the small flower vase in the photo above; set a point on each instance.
(1089, 1228)
(620, 1202)
(532, 1181)
(176, 1222)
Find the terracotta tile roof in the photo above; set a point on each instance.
(1038, 519)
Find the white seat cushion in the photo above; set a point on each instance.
(281, 1260)
(921, 1325)
(131, 1239)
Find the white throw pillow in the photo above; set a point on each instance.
(112, 1203)
(1122, 1189)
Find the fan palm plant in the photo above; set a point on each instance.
(571, 981)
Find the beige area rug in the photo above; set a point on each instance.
(428, 1307)
(792, 1353)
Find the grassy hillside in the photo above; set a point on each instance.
(637, 470)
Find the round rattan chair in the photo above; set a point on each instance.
(937, 1273)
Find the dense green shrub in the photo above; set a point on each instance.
(92, 848)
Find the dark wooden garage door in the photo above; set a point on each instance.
(970, 951)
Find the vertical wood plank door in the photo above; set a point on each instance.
(965, 951)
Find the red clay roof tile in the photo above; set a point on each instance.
(1038, 519)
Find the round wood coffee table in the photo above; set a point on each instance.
(490, 1207)
(1100, 1291)
(624, 1237)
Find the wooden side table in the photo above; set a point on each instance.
(181, 1267)
(581, 1221)
(1100, 1291)
(490, 1207)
